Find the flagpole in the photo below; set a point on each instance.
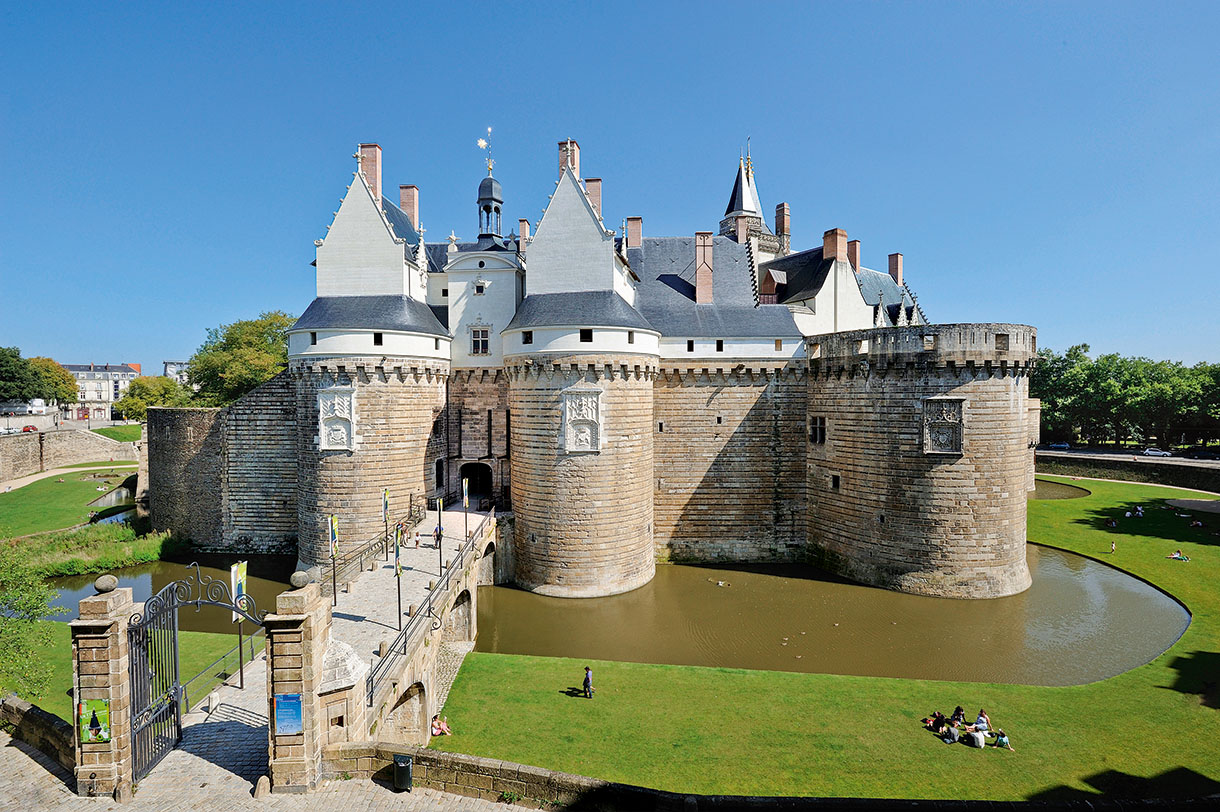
(398, 571)
(440, 534)
(466, 507)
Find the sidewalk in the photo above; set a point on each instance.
(26, 480)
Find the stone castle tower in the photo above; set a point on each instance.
(623, 400)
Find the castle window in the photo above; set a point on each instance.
(834, 482)
(376, 339)
(440, 474)
(720, 345)
(1001, 341)
(817, 430)
(631, 336)
(586, 334)
(527, 336)
(481, 263)
(444, 293)
(479, 341)
(929, 342)
(779, 345)
(313, 338)
(479, 289)
(661, 426)
(436, 343)
(719, 420)
(690, 345)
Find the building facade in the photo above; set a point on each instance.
(631, 398)
(98, 387)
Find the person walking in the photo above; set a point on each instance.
(588, 682)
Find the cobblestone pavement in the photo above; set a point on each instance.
(30, 781)
(447, 665)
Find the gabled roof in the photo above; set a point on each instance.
(400, 223)
(590, 308)
(666, 293)
(395, 313)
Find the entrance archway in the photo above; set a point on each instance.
(478, 476)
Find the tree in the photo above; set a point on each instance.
(54, 382)
(17, 379)
(151, 391)
(237, 357)
(25, 599)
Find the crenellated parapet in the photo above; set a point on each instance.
(594, 367)
(970, 350)
(739, 374)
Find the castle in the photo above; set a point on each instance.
(631, 399)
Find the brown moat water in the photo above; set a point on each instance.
(1080, 621)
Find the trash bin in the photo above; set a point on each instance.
(402, 772)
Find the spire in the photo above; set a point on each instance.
(744, 198)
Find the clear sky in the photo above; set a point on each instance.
(166, 168)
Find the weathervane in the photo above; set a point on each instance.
(749, 163)
(485, 143)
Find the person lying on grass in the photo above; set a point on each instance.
(1177, 556)
(1001, 740)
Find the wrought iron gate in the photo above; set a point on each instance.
(156, 685)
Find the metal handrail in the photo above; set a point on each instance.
(378, 545)
(186, 696)
(398, 649)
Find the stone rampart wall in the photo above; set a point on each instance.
(39, 729)
(185, 453)
(1179, 475)
(729, 452)
(20, 455)
(584, 520)
(478, 401)
(30, 452)
(259, 505)
(920, 484)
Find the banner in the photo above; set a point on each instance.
(465, 492)
(334, 536)
(385, 504)
(237, 582)
(397, 551)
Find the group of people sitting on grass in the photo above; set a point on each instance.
(954, 729)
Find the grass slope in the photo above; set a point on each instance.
(48, 504)
(1147, 733)
(124, 434)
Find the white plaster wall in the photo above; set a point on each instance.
(838, 306)
(437, 282)
(571, 251)
(734, 348)
(360, 342)
(494, 308)
(567, 340)
(359, 256)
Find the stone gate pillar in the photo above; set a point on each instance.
(297, 637)
(100, 671)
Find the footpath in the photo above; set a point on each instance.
(14, 484)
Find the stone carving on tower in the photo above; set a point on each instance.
(942, 426)
(582, 427)
(337, 419)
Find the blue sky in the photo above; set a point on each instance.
(166, 171)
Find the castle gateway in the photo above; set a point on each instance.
(709, 397)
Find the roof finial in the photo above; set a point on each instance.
(485, 143)
(749, 163)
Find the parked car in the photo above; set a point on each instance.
(29, 428)
(1060, 446)
(1198, 452)
(8, 430)
(1155, 452)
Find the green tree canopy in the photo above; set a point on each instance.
(237, 357)
(25, 599)
(151, 391)
(17, 378)
(54, 382)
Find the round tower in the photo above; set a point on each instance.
(580, 401)
(918, 457)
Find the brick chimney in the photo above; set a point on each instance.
(523, 228)
(593, 188)
(408, 201)
(783, 225)
(703, 267)
(853, 255)
(743, 229)
(635, 231)
(569, 156)
(834, 244)
(370, 167)
(896, 267)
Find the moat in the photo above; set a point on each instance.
(1079, 622)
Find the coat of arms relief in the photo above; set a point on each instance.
(942, 426)
(582, 427)
(337, 419)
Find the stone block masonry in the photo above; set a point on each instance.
(31, 452)
(729, 452)
(185, 458)
(259, 473)
(478, 427)
(40, 729)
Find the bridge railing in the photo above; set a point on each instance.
(352, 561)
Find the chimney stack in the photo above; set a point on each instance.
(370, 167)
(896, 268)
(523, 227)
(635, 231)
(593, 188)
(783, 226)
(743, 229)
(853, 255)
(834, 244)
(408, 201)
(569, 156)
(703, 267)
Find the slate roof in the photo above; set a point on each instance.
(439, 256)
(744, 196)
(400, 222)
(666, 294)
(397, 313)
(805, 272)
(99, 367)
(592, 308)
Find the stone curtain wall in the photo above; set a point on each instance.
(1143, 469)
(32, 452)
(185, 456)
(885, 511)
(473, 393)
(729, 450)
(398, 404)
(259, 503)
(39, 729)
(584, 521)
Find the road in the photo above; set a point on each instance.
(1088, 454)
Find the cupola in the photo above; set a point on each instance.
(491, 199)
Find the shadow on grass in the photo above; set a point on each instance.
(1198, 673)
(1160, 521)
(1111, 784)
(575, 693)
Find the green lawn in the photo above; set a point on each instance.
(48, 504)
(124, 434)
(1150, 732)
(197, 651)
